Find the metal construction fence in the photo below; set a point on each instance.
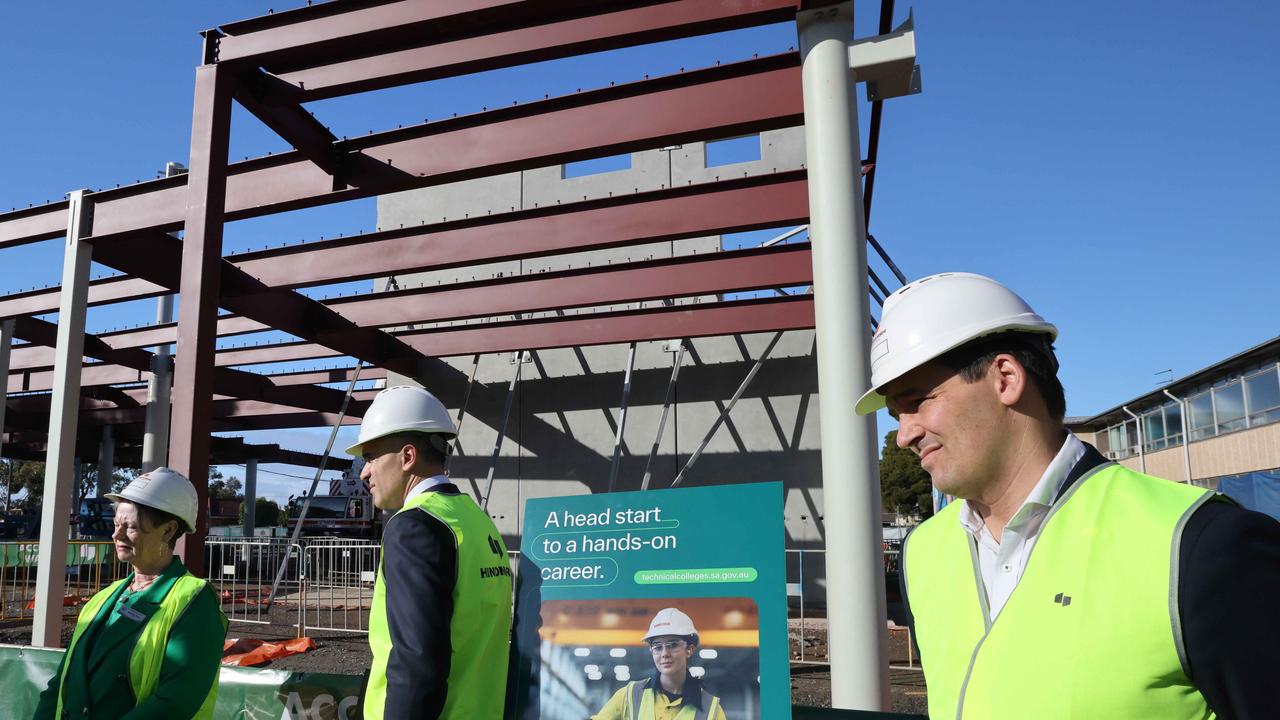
(91, 566)
(327, 583)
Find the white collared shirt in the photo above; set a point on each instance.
(425, 485)
(1003, 562)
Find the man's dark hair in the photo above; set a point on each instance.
(154, 518)
(1034, 351)
(433, 447)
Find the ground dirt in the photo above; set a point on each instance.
(348, 653)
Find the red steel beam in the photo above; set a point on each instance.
(738, 98)
(686, 276)
(325, 76)
(741, 204)
(204, 200)
(749, 316)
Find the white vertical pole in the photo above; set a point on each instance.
(850, 478)
(155, 438)
(106, 460)
(250, 497)
(6, 342)
(60, 479)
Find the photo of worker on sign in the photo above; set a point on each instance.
(643, 659)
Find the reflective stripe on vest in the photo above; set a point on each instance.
(480, 629)
(1092, 628)
(147, 656)
(640, 700)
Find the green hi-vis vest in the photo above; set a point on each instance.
(1092, 629)
(640, 696)
(480, 630)
(147, 656)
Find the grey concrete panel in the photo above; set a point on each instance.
(779, 150)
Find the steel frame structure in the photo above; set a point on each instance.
(273, 64)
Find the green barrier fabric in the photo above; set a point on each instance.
(26, 554)
(243, 693)
(251, 694)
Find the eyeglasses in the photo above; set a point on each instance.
(669, 646)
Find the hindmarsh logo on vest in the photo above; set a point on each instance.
(495, 546)
(1062, 599)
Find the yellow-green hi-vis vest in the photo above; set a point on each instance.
(480, 630)
(147, 656)
(640, 704)
(1092, 629)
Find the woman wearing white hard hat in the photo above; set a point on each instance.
(150, 645)
(671, 693)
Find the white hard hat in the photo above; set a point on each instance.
(926, 318)
(670, 621)
(163, 489)
(403, 408)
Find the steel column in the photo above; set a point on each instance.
(250, 497)
(155, 438)
(662, 422)
(502, 429)
(724, 415)
(850, 478)
(622, 418)
(106, 460)
(6, 342)
(198, 312)
(61, 478)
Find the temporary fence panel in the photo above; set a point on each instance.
(241, 571)
(337, 588)
(91, 566)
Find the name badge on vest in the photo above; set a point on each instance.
(130, 613)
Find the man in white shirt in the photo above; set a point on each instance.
(1061, 585)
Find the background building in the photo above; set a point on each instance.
(1218, 427)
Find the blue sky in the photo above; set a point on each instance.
(1116, 163)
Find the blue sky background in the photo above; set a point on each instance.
(1116, 163)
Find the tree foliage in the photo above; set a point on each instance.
(267, 513)
(222, 487)
(904, 485)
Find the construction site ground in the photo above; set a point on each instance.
(344, 653)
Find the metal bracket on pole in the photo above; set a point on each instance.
(887, 63)
(666, 405)
(622, 418)
(519, 361)
(728, 409)
(61, 476)
(306, 504)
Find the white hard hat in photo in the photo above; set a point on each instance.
(924, 319)
(166, 490)
(403, 408)
(670, 621)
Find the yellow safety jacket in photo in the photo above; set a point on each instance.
(1092, 629)
(147, 656)
(478, 665)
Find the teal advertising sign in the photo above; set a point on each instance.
(623, 593)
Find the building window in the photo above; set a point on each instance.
(1122, 440)
(1162, 427)
(1201, 415)
(1228, 401)
(1262, 393)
